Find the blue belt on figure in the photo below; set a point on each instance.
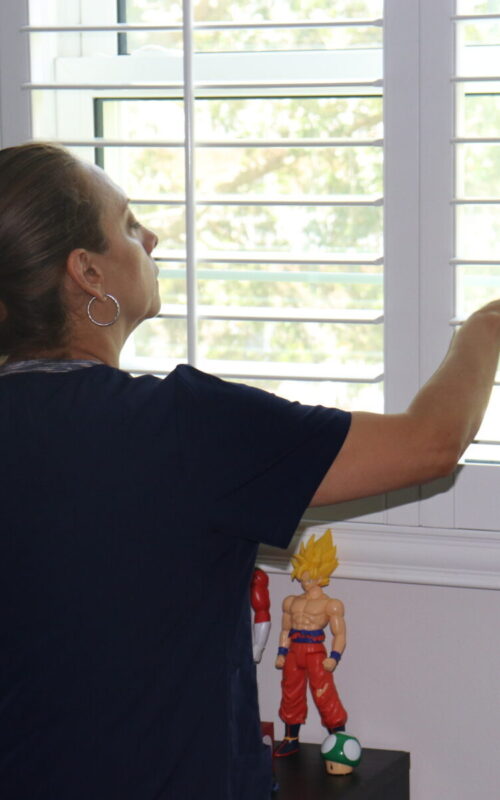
(307, 637)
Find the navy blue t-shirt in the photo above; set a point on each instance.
(131, 511)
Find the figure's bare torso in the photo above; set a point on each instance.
(311, 611)
(308, 613)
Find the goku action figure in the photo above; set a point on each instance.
(301, 653)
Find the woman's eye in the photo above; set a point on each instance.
(134, 225)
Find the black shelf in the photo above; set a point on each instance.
(381, 775)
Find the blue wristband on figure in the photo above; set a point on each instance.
(282, 651)
(336, 655)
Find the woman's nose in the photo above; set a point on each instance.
(151, 241)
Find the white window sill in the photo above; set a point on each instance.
(403, 554)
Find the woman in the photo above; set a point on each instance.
(131, 508)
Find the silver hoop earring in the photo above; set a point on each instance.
(104, 324)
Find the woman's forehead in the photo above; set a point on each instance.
(106, 190)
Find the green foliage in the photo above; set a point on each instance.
(252, 11)
(270, 172)
(265, 173)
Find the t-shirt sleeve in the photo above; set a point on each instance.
(253, 459)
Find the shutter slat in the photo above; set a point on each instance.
(207, 85)
(230, 257)
(250, 200)
(222, 25)
(273, 314)
(225, 143)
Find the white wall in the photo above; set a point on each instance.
(421, 673)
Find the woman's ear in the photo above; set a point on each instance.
(81, 269)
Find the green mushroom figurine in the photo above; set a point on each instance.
(341, 752)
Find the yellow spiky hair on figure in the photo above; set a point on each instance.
(318, 558)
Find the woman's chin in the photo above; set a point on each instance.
(155, 309)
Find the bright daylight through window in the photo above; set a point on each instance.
(286, 286)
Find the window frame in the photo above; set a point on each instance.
(426, 534)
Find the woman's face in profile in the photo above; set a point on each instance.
(131, 274)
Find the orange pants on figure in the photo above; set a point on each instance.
(304, 662)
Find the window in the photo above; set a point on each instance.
(285, 289)
(477, 181)
(320, 239)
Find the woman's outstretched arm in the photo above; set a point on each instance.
(389, 451)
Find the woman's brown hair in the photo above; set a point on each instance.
(46, 211)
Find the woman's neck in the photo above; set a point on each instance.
(67, 354)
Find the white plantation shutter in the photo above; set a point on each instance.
(476, 261)
(284, 335)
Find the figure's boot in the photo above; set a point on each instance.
(340, 728)
(290, 743)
